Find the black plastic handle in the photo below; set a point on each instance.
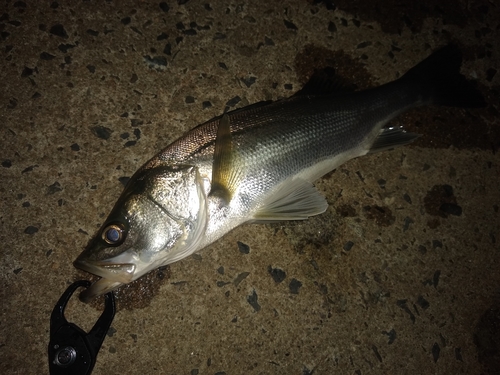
(72, 350)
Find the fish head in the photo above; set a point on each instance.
(160, 218)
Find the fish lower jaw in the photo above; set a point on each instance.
(112, 275)
(115, 272)
(101, 286)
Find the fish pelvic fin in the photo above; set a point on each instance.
(390, 138)
(439, 81)
(225, 177)
(294, 199)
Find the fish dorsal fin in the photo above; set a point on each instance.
(253, 106)
(325, 82)
(225, 176)
(295, 199)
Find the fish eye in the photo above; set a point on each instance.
(113, 234)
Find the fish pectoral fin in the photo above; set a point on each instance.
(296, 199)
(225, 177)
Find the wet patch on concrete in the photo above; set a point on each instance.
(136, 295)
(441, 202)
(346, 210)
(349, 72)
(382, 215)
(444, 127)
(312, 232)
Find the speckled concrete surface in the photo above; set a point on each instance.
(400, 276)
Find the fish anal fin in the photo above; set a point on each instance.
(296, 199)
(390, 138)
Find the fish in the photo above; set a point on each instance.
(258, 164)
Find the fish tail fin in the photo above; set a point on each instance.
(439, 80)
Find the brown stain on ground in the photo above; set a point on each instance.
(136, 295)
(434, 200)
(442, 127)
(346, 210)
(382, 215)
(350, 72)
(436, 197)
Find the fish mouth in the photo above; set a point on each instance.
(101, 286)
(112, 276)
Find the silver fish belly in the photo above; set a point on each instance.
(257, 164)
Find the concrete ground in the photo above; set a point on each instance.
(400, 276)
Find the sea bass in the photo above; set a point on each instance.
(257, 164)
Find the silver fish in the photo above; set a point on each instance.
(257, 164)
